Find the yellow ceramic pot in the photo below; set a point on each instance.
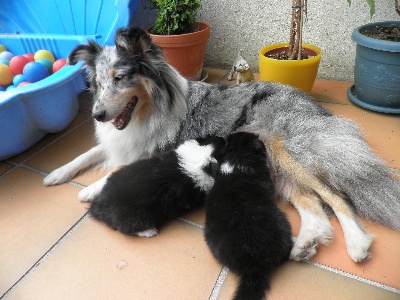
(298, 73)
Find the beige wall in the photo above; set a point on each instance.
(252, 24)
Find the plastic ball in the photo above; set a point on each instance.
(10, 87)
(35, 71)
(2, 88)
(5, 62)
(44, 54)
(47, 63)
(6, 55)
(30, 56)
(6, 75)
(17, 64)
(18, 79)
(58, 64)
(23, 84)
(2, 48)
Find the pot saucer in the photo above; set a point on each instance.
(351, 94)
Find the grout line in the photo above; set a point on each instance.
(191, 223)
(44, 257)
(218, 284)
(352, 276)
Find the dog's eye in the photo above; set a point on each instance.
(118, 78)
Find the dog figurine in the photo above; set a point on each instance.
(143, 106)
(242, 68)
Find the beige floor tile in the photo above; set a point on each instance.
(64, 150)
(215, 76)
(32, 219)
(331, 91)
(4, 167)
(301, 281)
(95, 262)
(198, 217)
(381, 131)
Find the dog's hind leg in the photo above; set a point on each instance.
(65, 173)
(303, 196)
(315, 226)
(357, 241)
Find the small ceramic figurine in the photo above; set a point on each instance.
(242, 68)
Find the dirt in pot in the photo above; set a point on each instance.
(283, 54)
(387, 33)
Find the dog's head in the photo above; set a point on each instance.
(122, 77)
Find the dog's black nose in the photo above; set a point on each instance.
(99, 115)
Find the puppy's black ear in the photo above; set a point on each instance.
(259, 146)
(87, 53)
(132, 40)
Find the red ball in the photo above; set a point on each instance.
(23, 83)
(58, 64)
(30, 56)
(17, 64)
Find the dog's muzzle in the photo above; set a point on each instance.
(124, 117)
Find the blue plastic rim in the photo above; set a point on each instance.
(27, 114)
(376, 72)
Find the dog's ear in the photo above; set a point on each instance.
(87, 53)
(132, 40)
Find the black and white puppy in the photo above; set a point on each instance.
(142, 196)
(244, 229)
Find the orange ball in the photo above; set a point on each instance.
(6, 75)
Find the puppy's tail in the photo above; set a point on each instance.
(253, 287)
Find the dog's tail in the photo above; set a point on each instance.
(253, 287)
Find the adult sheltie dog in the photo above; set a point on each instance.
(142, 105)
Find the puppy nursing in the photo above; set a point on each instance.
(142, 196)
(244, 228)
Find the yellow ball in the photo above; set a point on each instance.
(2, 48)
(44, 54)
(6, 76)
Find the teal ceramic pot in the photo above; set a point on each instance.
(376, 72)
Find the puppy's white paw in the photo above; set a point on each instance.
(148, 232)
(58, 176)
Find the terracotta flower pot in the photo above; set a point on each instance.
(298, 73)
(185, 52)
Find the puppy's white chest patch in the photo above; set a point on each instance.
(192, 158)
(227, 168)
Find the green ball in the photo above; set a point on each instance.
(47, 63)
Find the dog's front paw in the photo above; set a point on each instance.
(91, 191)
(58, 176)
(88, 194)
(148, 232)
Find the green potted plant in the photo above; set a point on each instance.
(377, 65)
(183, 39)
(284, 62)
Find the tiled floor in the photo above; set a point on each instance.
(51, 249)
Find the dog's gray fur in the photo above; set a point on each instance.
(328, 150)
